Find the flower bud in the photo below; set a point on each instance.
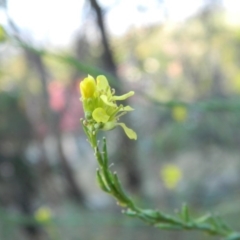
(88, 115)
(88, 87)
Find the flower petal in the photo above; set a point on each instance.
(100, 115)
(102, 83)
(129, 132)
(109, 126)
(126, 109)
(105, 100)
(123, 97)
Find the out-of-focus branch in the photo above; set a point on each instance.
(107, 55)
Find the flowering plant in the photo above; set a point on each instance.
(100, 106)
(102, 113)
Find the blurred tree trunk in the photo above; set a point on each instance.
(52, 120)
(107, 53)
(24, 194)
(128, 157)
(20, 181)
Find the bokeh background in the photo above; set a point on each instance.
(182, 59)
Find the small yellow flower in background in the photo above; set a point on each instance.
(171, 175)
(3, 34)
(179, 113)
(43, 215)
(236, 83)
(100, 107)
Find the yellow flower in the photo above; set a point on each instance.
(179, 113)
(43, 215)
(100, 106)
(88, 87)
(171, 175)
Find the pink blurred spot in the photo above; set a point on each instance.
(57, 99)
(70, 120)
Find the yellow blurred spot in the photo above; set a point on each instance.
(3, 35)
(151, 65)
(179, 113)
(236, 83)
(171, 175)
(43, 215)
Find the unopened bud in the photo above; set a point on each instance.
(88, 115)
(98, 126)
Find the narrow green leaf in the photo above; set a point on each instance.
(130, 213)
(168, 226)
(204, 218)
(120, 188)
(153, 214)
(105, 153)
(98, 156)
(185, 213)
(101, 182)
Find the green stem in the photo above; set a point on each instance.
(110, 183)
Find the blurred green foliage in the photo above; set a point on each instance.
(194, 65)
